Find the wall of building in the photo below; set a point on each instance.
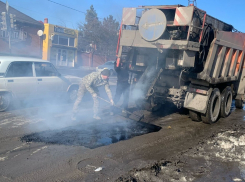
(46, 42)
(85, 59)
(56, 52)
(24, 42)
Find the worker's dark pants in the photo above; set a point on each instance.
(81, 91)
(122, 89)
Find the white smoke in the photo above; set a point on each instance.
(142, 86)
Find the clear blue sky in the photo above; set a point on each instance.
(229, 11)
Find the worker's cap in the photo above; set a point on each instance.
(105, 72)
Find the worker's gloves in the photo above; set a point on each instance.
(112, 102)
(94, 95)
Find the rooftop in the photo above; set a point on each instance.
(18, 58)
(20, 17)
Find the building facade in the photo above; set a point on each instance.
(60, 45)
(24, 40)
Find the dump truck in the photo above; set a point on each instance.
(181, 55)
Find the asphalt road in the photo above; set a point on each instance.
(39, 142)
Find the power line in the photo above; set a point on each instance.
(42, 14)
(71, 8)
(67, 7)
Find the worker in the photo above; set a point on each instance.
(91, 83)
(122, 84)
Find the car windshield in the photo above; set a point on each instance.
(108, 63)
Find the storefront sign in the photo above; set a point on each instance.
(64, 30)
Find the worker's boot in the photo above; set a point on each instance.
(97, 117)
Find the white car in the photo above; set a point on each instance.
(109, 65)
(31, 78)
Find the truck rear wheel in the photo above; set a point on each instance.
(226, 101)
(195, 116)
(239, 104)
(213, 108)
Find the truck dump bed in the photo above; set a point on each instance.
(225, 58)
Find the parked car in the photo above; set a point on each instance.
(29, 78)
(109, 65)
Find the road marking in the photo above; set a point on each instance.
(28, 121)
(19, 121)
(237, 179)
(16, 148)
(7, 122)
(15, 156)
(3, 158)
(39, 150)
(12, 119)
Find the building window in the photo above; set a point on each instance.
(16, 35)
(3, 33)
(63, 40)
(22, 35)
(63, 55)
(55, 39)
(71, 42)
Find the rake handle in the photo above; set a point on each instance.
(120, 108)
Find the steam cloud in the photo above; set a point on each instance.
(142, 86)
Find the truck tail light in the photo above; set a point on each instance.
(204, 92)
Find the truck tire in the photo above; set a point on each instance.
(226, 101)
(195, 116)
(239, 104)
(213, 107)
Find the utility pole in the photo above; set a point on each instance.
(8, 25)
(92, 49)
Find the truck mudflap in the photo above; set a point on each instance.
(197, 101)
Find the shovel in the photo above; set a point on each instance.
(139, 118)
